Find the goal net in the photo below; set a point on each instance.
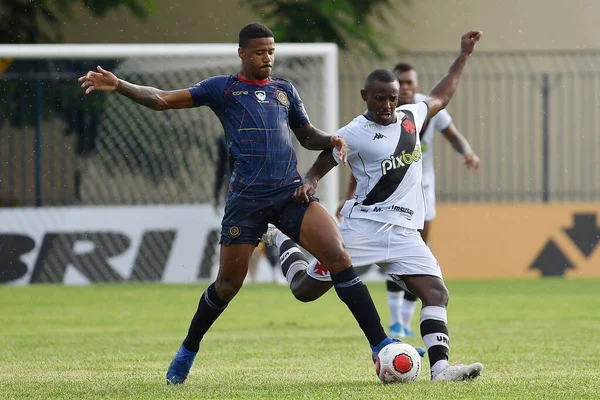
(145, 157)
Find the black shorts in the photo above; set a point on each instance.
(245, 220)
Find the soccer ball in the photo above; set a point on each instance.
(398, 362)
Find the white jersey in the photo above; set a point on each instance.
(386, 162)
(441, 121)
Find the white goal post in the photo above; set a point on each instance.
(312, 67)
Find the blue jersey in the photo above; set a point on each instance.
(257, 117)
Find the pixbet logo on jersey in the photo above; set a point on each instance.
(400, 161)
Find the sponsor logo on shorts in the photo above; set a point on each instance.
(408, 213)
(234, 231)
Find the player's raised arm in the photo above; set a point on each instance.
(439, 97)
(156, 99)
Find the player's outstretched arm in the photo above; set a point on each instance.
(312, 138)
(439, 97)
(156, 99)
(462, 146)
(322, 165)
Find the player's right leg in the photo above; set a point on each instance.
(308, 280)
(232, 271)
(240, 232)
(320, 236)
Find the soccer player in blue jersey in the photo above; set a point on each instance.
(257, 112)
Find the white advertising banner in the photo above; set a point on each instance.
(83, 245)
(80, 245)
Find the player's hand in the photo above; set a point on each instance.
(103, 80)
(469, 40)
(471, 161)
(341, 146)
(303, 193)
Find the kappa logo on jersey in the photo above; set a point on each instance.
(379, 135)
(405, 158)
(240, 93)
(371, 126)
(409, 126)
(261, 96)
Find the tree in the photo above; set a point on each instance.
(345, 22)
(20, 19)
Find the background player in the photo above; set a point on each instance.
(381, 223)
(257, 112)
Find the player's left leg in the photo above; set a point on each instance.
(414, 265)
(320, 236)
(308, 280)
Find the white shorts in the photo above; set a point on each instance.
(429, 192)
(397, 250)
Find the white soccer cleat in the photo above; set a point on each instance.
(459, 372)
(270, 235)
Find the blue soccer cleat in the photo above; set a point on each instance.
(180, 366)
(376, 349)
(396, 331)
(406, 332)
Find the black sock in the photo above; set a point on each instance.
(209, 309)
(355, 294)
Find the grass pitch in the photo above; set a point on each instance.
(538, 339)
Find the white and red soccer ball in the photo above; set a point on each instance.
(398, 363)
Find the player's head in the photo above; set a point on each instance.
(257, 51)
(381, 94)
(409, 82)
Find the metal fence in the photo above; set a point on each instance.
(532, 118)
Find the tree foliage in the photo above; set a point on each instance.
(39, 21)
(345, 22)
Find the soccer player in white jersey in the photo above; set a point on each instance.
(381, 224)
(402, 304)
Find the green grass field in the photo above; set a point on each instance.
(537, 339)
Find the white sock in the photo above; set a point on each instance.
(395, 300)
(408, 312)
(279, 238)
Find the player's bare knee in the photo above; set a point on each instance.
(436, 296)
(338, 260)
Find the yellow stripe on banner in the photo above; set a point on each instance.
(517, 241)
(4, 64)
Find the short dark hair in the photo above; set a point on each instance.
(380, 75)
(403, 67)
(253, 30)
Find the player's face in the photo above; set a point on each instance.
(409, 85)
(382, 100)
(257, 58)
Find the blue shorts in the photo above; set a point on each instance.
(245, 220)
